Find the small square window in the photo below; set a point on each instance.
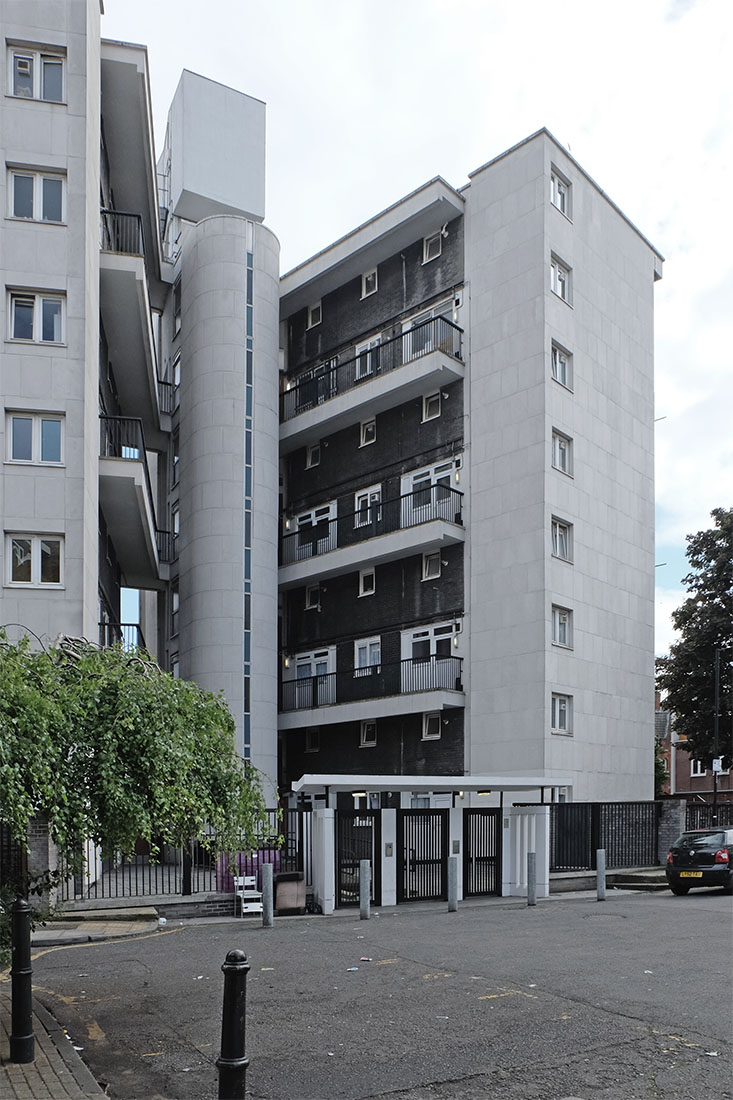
(432, 246)
(560, 192)
(314, 314)
(367, 582)
(562, 540)
(430, 566)
(431, 726)
(313, 598)
(562, 366)
(367, 432)
(562, 453)
(431, 406)
(697, 769)
(562, 712)
(368, 734)
(312, 739)
(369, 283)
(313, 456)
(562, 627)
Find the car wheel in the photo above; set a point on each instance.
(679, 890)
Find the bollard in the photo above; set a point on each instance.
(267, 901)
(22, 1041)
(232, 1062)
(531, 878)
(365, 888)
(601, 874)
(453, 884)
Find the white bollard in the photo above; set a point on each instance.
(365, 888)
(601, 874)
(452, 884)
(267, 898)
(531, 878)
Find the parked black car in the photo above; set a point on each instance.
(703, 857)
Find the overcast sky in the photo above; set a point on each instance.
(367, 100)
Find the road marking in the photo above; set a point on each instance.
(387, 962)
(507, 993)
(153, 1054)
(431, 976)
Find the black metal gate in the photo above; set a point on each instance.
(481, 852)
(626, 830)
(573, 840)
(422, 855)
(357, 837)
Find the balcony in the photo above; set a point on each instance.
(126, 497)
(416, 522)
(125, 309)
(430, 684)
(328, 398)
(128, 635)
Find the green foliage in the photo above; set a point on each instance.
(106, 746)
(705, 624)
(660, 774)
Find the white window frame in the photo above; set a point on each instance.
(37, 420)
(561, 279)
(561, 192)
(176, 377)
(562, 452)
(369, 283)
(36, 541)
(424, 343)
(433, 634)
(315, 314)
(177, 305)
(313, 455)
(37, 298)
(175, 608)
(368, 733)
(305, 522)
(38, 178)
(430, 719)
(561, 365)
(561, 713)
(562, 626)
(368, 506)
(429, 409)
(313, 597)
(175, 666)
(37, 57)
(367, 655)
(562, 530)
(697, 770)
(367, 357)
(364, 588)
(368, 432)
(429, 252)
(431, 565)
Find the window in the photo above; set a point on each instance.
(562, 623)
(367, 656)
(34, 437)
(175, 668)
(36, 196)
(314, 314)
(560, 192)
(312, 739)
(697, 769)
(367, 357)
(313, 456)
(431, 406)
(37, 317)
(562, 366)
(368, 734)
(367, 432)
(429, 493)
(560, 279)
(177, 306)
(313, 597)
(316, 532)
(175, 456)
(424, 333)
(431, 726)
(367, 506)
(562, 710)
(175, 607)
(431, 643)
(37, 75)
(431, 566)
(367, 582)
(432, 246)
(175, 528)
(562, 540)
(562, 452)
(176, 374)
(369, 283)
(35, 560)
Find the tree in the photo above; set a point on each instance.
(705, 624)
(108, 747)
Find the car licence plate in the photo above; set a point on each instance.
(690, 874)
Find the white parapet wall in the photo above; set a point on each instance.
(525, 829)
(324, 861)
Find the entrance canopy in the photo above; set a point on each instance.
(487, 784)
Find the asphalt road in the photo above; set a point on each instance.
(624, 1000)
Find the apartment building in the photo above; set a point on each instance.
(466, 568)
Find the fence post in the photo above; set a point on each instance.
(531, 878)
(22, 1040)
(453, 884)
(232, 1062)
(267, 898)
(186, 888)
(601, 874)
(365, 888)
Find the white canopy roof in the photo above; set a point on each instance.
(310, 784)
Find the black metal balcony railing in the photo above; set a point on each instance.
(129, 635)
(378, 518)
(325, 381)
(166, 397)
(123, 437)
(435, 673)
(121, 232)
(167, 545)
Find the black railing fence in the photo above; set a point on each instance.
(377, 518)
(700, 815)
(325, 381)
(130, 635)
(166, 397)
(121, 232)
(373, 682)
(123, 437)
(626, 830)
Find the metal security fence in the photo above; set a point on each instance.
(626, 830)
(700, 815)
(481, 852)
(422, 855)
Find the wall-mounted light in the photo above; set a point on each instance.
(458, 477)
(455, 641)
(286, 662)
(287, 524)
(444, 394)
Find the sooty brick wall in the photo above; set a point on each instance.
(404, 284)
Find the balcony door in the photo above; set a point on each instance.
(427, 494)
(429, 658)
(314, 680)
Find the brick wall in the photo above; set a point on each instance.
(671, 824)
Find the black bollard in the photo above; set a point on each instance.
(22, 1041)
(232, 1062)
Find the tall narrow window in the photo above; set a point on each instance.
(560, 279)
(562, 452)
(314, 314)
(562, 708)
(562, 366)
(562, 622)
(562, 539)
(560, 192)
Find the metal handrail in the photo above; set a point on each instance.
(121, 232)
(379, 518)
(325, 381)
(129, 635)
(434, 673)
